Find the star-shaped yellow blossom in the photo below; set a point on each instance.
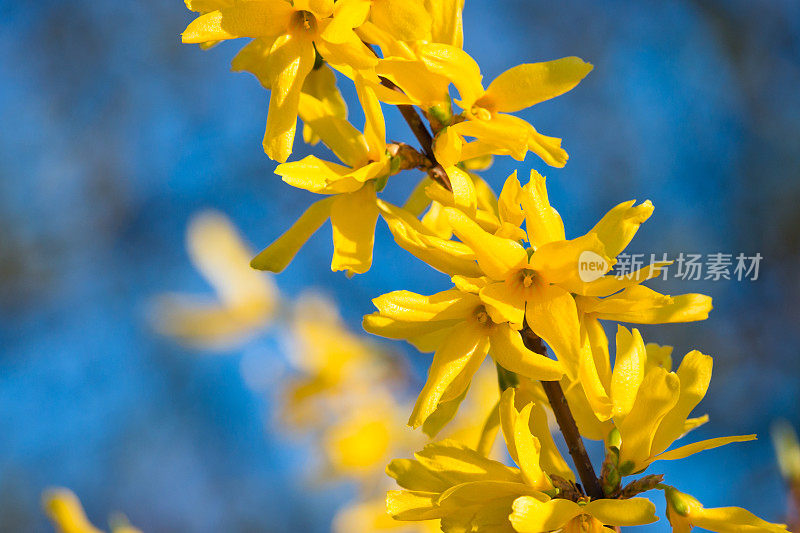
(244, 302)
(459, 328)
(466, 490)
(65, 511)
(291, 31)
(351, 188)
(648, 403)
(685, 512)
(426, 72)
(531, 515)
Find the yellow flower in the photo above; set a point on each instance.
(458, 327)
(684, 512)
(532, 515)
(333, 364)
(245, 300)
(466, 490)
(291, 31)
(351, 188)
(65, 511)
(650, 405)
(427, 69)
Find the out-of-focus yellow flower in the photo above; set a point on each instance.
(292, 32)
(458, 327)
(65, 511)
(787, 450)
(371, 517)
(532, 515)
(351, 205)
(685, 512)
(244, 300)
(466, 490)
(334, 364)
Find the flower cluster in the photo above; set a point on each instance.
(516, 292)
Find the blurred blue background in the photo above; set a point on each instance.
(113, 134)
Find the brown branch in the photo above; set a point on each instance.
(566, 422)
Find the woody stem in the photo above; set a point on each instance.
(566, 422)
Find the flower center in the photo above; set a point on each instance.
(527, 277)
(481, 315)
(304, 21)
(481, 112)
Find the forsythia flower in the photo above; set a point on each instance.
(684, 512)
(291, 31)
(466, 490)
(351, 205)
(371, 517)
(245, 300)
(532, 515)
(458, 327)
(650, 405)
(426, 71)
(67, 515)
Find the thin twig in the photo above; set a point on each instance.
(566, 422)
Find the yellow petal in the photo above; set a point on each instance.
(732, 520)
(374, 127)
(593, 386)
(446, 23)
(446, 409)
(291, 59)
(509, 351)
(267, 18)
(447, 147)
(411, 505)
(338, 134)
(253, 58)
(507, 415)
(559, 261)
(617, 228)
(280, 253)
(553, 316)
(546, 147)
(412, 307)
(313, 174)
(425, 336)
(543, 222)
(628, 374)
(350, 53)
(353, 218)
(320, 8)
(598, 341)
(65, 511)
(422, 86)
(454, 64)
(531, 83)
(204, 6)
(449, 360)
(447, 256)
(529, 452)
(321, 84)
(631, 512)
(691, 449)
(504, 304)
(658, 394)
(464, 195)
(455, 463)
(405, 21)
(642, 305)
(531, 515)
(509, 202)
(496, 256)
(500, 135)
(695, 375)
(347, 14)
(550, 458)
